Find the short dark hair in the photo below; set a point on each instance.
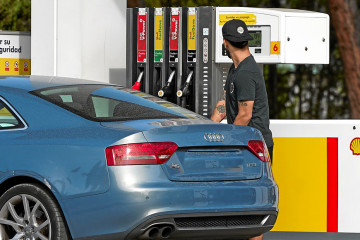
(240, 45)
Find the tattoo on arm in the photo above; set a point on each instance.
(221, 109)
(243, 104)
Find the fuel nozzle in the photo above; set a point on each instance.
(167, 90)
(184, 91)
(137, 84)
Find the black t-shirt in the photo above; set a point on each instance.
(246, 83)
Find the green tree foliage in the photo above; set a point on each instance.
(295, 91)
(310, 91)
(15, 15)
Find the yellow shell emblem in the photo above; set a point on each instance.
(355, 146)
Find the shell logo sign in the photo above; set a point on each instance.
(316, 166)
(355, 146)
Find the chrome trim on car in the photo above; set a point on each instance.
(265, 219)
(16, 114)
(214, 137)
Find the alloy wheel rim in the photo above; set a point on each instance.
(24, 217)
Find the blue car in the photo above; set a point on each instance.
(89, 160)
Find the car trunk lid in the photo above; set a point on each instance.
(209, 152)
(206, 151)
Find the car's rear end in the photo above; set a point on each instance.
(208, 181)
(177, 175)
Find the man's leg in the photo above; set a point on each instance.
(257, 238)
(271, 157)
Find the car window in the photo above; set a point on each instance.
(8, 119)
(105, 103)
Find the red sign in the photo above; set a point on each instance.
(174, 32)
(141, 54)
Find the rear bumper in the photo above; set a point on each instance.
(142, 196)
(224, 226)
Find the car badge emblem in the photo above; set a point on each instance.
(175, 165)
(214, 137)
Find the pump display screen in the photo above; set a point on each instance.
(256, 42)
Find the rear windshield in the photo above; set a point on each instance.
(104, 103)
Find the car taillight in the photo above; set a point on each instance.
(140, 153)
(259, 149)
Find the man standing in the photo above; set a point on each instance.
(245, 99)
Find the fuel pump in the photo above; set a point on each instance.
(187, 90)
(169, 89)
(140, 63)
(158, 49)
(137, 84)
(178, 54)
(131, 46)
(207, 78)
(141, 48)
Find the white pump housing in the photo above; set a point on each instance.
(280, 35)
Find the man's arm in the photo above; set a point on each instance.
(245, 113)
(220, 110)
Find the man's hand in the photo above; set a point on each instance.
(245, 113)
(219, 112)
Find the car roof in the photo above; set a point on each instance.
(32, 83)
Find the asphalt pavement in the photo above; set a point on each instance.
(310, 236)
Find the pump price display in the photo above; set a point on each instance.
(256, 42)
(141, 56)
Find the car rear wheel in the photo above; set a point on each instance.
(28, 212)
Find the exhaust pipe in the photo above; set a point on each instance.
(151, 233)
(157, 232)
(166, 231)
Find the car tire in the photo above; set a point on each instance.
(27, 211)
